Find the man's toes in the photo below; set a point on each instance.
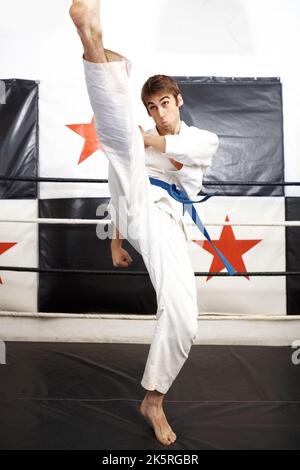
(164, 440)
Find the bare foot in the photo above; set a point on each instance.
(151, 408)
(85, 15)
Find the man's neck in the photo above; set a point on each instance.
(174, 131)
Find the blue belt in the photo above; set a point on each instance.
(188, 205)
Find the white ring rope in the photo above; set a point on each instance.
(122, 316)
(293, 223)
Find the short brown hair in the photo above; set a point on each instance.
(159, 83)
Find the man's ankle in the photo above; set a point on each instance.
(90, 34)
(154, 397)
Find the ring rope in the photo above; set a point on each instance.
(292, 223)
(96, 181)
(140, 273)
(128, 316)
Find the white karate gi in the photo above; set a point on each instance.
(147, 216)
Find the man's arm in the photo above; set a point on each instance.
(120, 257)
(117, 239)
(195, 148)
(158, 142)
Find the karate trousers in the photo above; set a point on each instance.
(154, 233)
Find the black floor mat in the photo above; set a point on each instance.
(87, 396)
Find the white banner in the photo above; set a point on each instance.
(247, 249)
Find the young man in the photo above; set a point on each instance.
(147, 215)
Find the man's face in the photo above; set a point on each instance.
(164, 109)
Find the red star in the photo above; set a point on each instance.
(88, 132)
(3, 248)
(230, 247)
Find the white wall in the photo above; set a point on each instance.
(180, 37)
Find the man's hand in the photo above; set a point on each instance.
(158, 142)
(120, 257)
(144, 135)
(177, 165)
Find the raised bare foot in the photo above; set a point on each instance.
(85, 14)
(86, 17)
(151, 408)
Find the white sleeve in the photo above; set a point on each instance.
(195, 147)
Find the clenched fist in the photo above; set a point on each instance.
(120, 257)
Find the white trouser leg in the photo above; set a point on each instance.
(151, 231)
(173, 278)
